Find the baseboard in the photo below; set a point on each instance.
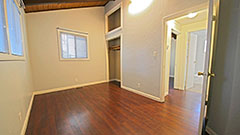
(66, 88)
(143, 94)
(24, 128)
(115, 80)
(210, 131)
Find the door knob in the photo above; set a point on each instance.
(209, 74)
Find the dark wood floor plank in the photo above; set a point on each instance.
(106, 109)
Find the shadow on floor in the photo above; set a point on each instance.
(116, 83)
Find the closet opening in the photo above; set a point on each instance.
(114, 60)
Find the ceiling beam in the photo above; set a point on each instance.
(47, 5)
(37, 2)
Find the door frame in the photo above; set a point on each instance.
(120, 35)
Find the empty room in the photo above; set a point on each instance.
(119, 67)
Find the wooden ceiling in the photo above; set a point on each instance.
(46, 5)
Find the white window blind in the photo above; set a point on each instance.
(3, 30)
(14, 26)
(73, 46)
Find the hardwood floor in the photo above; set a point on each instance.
(106, 109)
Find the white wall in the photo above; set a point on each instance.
(142, 35)
(16, 91)
(48, 71)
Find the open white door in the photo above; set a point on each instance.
(191, 58)
(213, 6)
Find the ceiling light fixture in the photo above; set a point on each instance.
(192, 15)
(137, 6)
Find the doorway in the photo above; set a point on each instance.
(186, 44)
(190, 25)
(171, 24)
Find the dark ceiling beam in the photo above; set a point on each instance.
(37, 2)
(47, 5)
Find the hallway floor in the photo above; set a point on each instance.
(106, 109)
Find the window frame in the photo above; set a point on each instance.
(9, 56)
(75, 33)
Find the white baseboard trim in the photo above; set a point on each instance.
(66, 88)
(115, 80)
(210, 131)
(24, 128)
(143, 94)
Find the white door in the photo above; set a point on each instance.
(212, 21)
(191, 58)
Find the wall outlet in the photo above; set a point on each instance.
(20, 116)
(138, 85)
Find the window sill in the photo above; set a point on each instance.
(87, 59)
(7, 57)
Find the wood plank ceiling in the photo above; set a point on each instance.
(46, 5)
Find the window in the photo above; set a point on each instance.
(14, 28)
(11, 43)
(3, 30)
(73, 45)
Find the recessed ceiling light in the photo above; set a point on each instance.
(137, 6)
(192, 15)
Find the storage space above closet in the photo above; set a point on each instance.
(113, 19)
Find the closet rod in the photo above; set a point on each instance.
(114, 48)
